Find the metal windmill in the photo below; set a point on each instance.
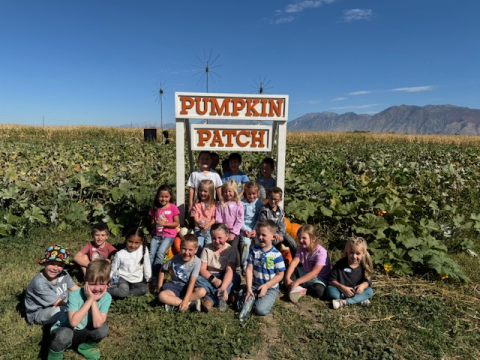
(262, 85)
(206, 68)
(159, 97)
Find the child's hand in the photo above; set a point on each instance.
(183, 305)
(263, 290)
(278, 237)
(87, 291)
(217, 283)
(223, 293)
(161, 221)
(359, 289)
(231, 237)
(253, 233)
(348, 291)
(292, 284)
(249, 293)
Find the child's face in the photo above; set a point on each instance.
(265, 237)
(164, 197)
(215, 161)
(355, 255)
(188, 250)
(304, 240)
(98, 287)
(133, 243)
(99, 238)
(251, 195)
(204, 162)
(52, 270)
(228, 194)
(234, 165)
(274, 200)
(266, 170)
(203, 193)
(219, 238)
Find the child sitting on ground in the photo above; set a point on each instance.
(47, 293)
(98, 248)
(234, 162)
(349, 281)
(314, 269)
(185, 269)
(131, 267)
(265, 180)
(217, 272)
(83, 324)
(274, 212)
(251, 209)
(265, 269)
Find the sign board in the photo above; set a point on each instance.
(231, 106)
(231, 137)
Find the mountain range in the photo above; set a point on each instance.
(429, 119)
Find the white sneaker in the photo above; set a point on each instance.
(296, 293)
(365, 303)
(337, 304)
(195, 305)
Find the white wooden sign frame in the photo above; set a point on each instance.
(223, 106)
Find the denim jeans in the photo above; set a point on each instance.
(158, 247)
(203, 239)
(212, 291)
(264, 304)
(123, 289)
(335, 294)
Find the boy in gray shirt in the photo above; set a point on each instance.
(47, 293)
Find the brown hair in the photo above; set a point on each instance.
(189, 238)
(269, 224)
(251, 185)
(276, 190)
(312, 234)
(366, 260)
(98, 270)
(220, 226)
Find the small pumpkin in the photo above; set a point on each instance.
(168, 254)
(294, 229)
(287, 256)
(176, 245)
(288, 225)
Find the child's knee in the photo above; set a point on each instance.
(99, 333)
(333, 292)
(62, 339)
(262, 310)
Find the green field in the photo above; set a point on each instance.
(414, 198)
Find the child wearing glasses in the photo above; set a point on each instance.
(273, 211)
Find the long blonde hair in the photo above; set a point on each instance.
(230, 184)
(211, 192)
(312, 234)
(366, 260)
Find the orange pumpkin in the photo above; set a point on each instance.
(294, 229)
(287, 256)
(168, 254)
(176, 245)
(288, 225)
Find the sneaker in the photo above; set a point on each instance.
(337, 304)
(206, 305)
(195, 305)
(365, 303)
(296, 293)
(168, 308)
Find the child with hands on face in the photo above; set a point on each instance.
(217, 272)
(132, 264)
(203, 213)
(185, 268)
(87, 308)
(314, 269)
(349, 281)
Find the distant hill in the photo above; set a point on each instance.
(430, 119)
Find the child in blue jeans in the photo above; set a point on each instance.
(349, 281)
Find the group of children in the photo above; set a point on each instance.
(238, 234)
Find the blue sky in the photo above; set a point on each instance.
(102, 62)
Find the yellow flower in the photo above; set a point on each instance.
(387, 268)
(443, 276)
(457, 163)
(381, 212)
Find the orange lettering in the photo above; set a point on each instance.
(216, 139)
(277, 109)
(219, 110)
(197, 107)
(259, 138)
(251, 107)
(245, 133)
(264, 107)
(229, 134)
(238, 104)
(203, 136)
(186, 107)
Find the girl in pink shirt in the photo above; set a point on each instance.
(203, 213)
(230, 213)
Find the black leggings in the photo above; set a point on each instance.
(316, 290)
(235, 243)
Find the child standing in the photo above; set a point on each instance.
(204, 172)
(98, 248)
(234, 162)
(87, 308)
(215, 161)
(349, 281)
(265, 269)
(47, 293)
(217, 271)
(203, 213)
(230, 213)
(131, 266)
(313, 273)
(265, 180)
(185, 267)
(251, 209)
(274, 212)
(164, 219)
